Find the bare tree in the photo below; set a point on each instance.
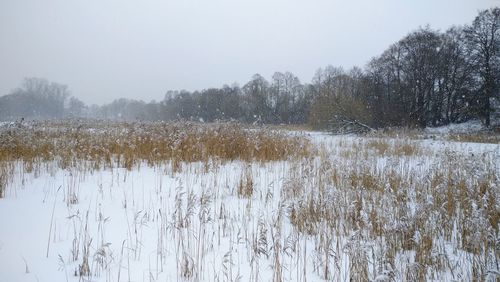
(483, 38)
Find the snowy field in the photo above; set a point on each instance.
(351, 209)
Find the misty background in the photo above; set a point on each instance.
(105, 50)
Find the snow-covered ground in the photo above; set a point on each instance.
(153, 224)
(469, 127)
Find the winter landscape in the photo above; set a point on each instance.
(193, 202)
(154, 141)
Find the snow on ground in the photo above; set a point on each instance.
(151, 224)
(463, 128)
(124, 211)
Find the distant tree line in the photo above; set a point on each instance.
(38, 98)
(428, 78)
(280, 101)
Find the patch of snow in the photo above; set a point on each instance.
(472, 126)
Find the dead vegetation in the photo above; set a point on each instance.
(391, 200)
(6, 175)
(260, 205)
(119, 144)
(485, 137)
(474, 135)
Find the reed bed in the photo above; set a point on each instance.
(121, 144)
(218, 202)
(401, 211)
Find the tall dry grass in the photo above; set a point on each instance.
(357, 209)
(394, 200)
(93, 145)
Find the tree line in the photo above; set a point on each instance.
(428, 78)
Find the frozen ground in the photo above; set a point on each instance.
(151, 224)
(466, 127)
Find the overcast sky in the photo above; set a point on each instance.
(107, 49)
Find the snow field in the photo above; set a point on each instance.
(356, 208)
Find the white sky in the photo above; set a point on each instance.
(107, 49)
